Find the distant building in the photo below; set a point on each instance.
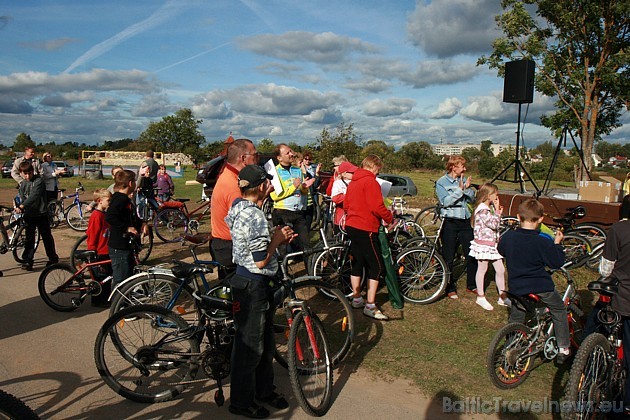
(618, 161)
(457, 149)
(598, 162)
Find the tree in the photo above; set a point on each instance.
(175, 133)
(342, 141)
(266, 145)
(420, 155)
(581, 51)
(22, 141)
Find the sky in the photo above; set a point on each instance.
(400, 71)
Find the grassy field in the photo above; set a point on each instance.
(441, 347)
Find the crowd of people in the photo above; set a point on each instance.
(245, 244)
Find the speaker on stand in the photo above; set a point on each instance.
(518, 87)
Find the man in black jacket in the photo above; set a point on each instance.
(33, 204)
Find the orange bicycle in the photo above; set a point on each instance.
(173, 221)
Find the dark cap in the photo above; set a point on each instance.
(252, 176)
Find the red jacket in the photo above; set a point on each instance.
(98, 233)
(364, 203)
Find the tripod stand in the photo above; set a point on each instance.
(519, 169)
(562, 141)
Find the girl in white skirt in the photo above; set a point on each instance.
(486, 222)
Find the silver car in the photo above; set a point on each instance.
(402, 186)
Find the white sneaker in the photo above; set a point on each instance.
(375, 313)
(505, 302)
(358, 303)
(481, 301)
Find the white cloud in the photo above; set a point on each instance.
(389, 107)
(447, 109)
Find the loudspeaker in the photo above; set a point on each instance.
(518, 86)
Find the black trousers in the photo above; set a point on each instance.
(457, 232)
(40, 223)
(297, 220)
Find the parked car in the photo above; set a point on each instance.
(6, 168)
(66, 169)
(401, 185)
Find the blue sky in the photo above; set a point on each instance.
(399, 70)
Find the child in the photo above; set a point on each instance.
(97, 237)
(486, 221)
(33, 204)
(164, 184)
(256, 265)
(346, 170)
(122, 222)
(527, 254)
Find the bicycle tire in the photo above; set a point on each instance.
(310, 367)
(596, 235)
(146, 246)
(170, 225)
(78, 217)
(423, 274)
(155, 289)
(53, 210)
(154, 374)
(335, 315)
(79, 245)
(577, 250)
(429, 221)
(13, 408)
(589, 372)
(326, 265)
(18, 243)
(503, 366)
(52, 279)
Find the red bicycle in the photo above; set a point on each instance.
(173, 221)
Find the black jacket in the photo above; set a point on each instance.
(33, 196)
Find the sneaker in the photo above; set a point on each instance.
(505, 302)
(473, 290)
(563, 355)
(375, 313)
(358, 303)
(453, 295)
(483, 302)
(27, 266)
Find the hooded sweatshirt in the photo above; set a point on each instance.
(364, 203)
(250, 238)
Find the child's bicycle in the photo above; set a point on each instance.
(513, 351)
(76, 214)
(64, 288)
(13, 235)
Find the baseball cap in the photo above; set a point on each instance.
(252, 176)
(346, 167)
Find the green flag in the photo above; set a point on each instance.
(391, 278)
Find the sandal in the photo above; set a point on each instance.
(254, 411)
(275, 400)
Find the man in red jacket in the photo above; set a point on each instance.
(365, 211)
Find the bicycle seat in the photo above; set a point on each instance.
(604, 285)
(526, 303)
(86, 255)
(197, 239)
(184, 270)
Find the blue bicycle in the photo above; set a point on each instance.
(76, 214)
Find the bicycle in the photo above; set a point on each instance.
(12, 407)
(64, 288)
(76, 215)
(145, 243)
(174, 221)
(597, 377)
(515, 347)
(171, 358)
(14, 241)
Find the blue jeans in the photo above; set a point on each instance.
(122, 264)
(457, 232)
(254, 345)
(558, 311)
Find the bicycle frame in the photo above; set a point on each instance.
(87, 288)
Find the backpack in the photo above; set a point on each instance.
(209, 174)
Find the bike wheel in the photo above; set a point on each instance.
(589, 380)
(335, 315)
(58, 290)
(577, 250)
(164, 356)
(596, 236)
(429, 221)
(170, 225)
(17, 242)
(53, 210)
(423, 274)
(155, 289)
(78, 217)
(12, 407)
(145, 246)
(334, 267)
(310, 367)
(508, 223)
(79, 245)
(508, 359)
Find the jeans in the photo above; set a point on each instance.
(254, 346)
(558, 311)
(221, 252)
(42, 224)
(122, 264)
(458, 232)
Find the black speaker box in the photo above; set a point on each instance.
(518, 86)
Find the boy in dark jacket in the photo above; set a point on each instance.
(527, 255)
(123, 222)
(33, 205)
